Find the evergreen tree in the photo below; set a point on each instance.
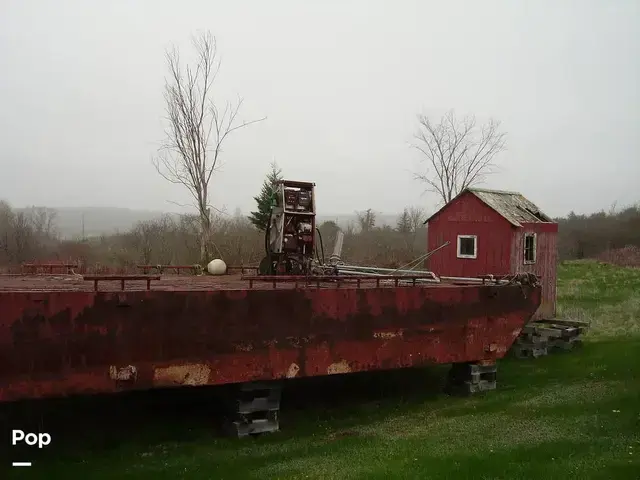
(404, 222)
(261, 218)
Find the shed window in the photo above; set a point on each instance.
(467, 246)
(529, 248)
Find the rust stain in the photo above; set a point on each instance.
(293, 370)
(244, 347)
(388, 335)
(343, 302)
(339, 367)
(123, 374)
(191, 374)
(486, 362)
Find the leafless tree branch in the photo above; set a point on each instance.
(196, 128)
(457, 152)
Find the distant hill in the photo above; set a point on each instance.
(343, 220)
(98, 220)
(107, 220)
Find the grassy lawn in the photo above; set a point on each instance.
(574, 415)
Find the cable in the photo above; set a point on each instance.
(321, 246)
(267, 250)
(267, 231)
(421, 258)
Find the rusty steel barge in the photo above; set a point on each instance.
(64, 334)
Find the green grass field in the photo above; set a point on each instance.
(573, 415)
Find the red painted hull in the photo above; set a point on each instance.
(78, 342)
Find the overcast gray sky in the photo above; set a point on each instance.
(341, 83)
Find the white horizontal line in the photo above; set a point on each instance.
(21, 464)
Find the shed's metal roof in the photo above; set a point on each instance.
(513, 206)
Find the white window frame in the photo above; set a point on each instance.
(524, 248)
(475, 246)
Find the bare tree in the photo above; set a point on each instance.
(458, 153)
(366, 220)
(408, 225)
(142, 237)
(23, 237)
(7, 221)
(43, 221)
(197, 128)
(417, 216)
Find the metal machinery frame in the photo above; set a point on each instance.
(290, 237)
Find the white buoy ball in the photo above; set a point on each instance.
(217, 267)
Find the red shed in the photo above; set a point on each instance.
(495, 232)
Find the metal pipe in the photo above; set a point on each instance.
(356, 268)
(333, 278)
(380, 269)
(356, 272)
(463, 279)
(473, 279)
(337, 248)
(408, 277)
(422, 258)
(389, 278)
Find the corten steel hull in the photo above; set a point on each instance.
(77, 341)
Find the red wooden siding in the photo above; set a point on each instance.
(545, 265)
(500, 245)
(467, 215)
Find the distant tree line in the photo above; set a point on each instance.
(587, 236)
(30, 235)
(26, 234)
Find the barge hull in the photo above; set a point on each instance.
(58, 343)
